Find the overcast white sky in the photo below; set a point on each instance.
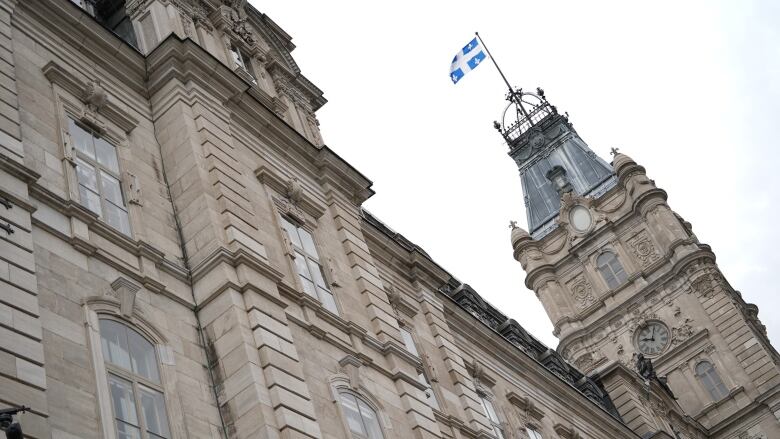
(690, 90)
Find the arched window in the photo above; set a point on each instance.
(533, 433)
(134, 382)
(611, 269)
(362, 420)
(711, 380)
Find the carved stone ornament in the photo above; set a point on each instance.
(683, 331)
(350, 366)
(582, 292)
(643, 249)
(640, 318)
(95, 96)
(294, 190)
(133, 189)
(286, 207)
(125, 290)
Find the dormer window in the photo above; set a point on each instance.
(112, 14)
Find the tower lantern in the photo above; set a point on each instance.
(551, 157)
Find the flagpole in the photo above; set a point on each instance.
(511, 91)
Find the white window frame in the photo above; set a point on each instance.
(106, 307)
(491, 414)
(99, 168)
(607, 270)
(300, 253)
(410, 343)
(533, 432)
(342, 383)
(137, 381)
(707, 380)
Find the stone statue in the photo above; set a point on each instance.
(645, 367)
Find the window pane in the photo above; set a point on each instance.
(86, 174)
(143, 356)
(127, 431)
(308, 287)
(316, 271)
(328, 301)
(113, 339)
(300, 265)
(349, 404)
(106, 155)
(308, 243)
(498, 432)
(153, 407)
(111, 189)
(532, 433)
(292, 233)
(370, 420)
(117, 218)
(82, 140)
(409, 342)
(90, 200)
(430, 396)
(122, 399)
(489, 410)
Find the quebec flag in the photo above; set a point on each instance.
(466, 60)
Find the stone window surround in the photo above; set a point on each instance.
(615, 256)
(486, 395)
(309, 227)
(72, 93)
(340, 383)
(104, 307)
(99, 168)
(699, 378)
(423, 367)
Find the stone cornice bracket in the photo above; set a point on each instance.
(525, 404)
(481, 378)
(95, 97)
(350, 365)
(125, 290)
(566, 432)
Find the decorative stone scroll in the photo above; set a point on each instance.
(643, 249)
(582, 292)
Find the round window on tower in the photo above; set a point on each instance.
(580, 218)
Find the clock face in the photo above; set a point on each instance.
(653, 338)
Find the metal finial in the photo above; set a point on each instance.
(513, 224)
(614, 151)
(496, 125)
(540, 92)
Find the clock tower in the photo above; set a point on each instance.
(620, 275)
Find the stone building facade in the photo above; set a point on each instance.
(181, 256)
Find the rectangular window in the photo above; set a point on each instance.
(307, 264)
(532, 433)
(97, 172)
(409, 342)
(429, 393)
(490, 412)
(241, 60)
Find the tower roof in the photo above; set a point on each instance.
(540, 139)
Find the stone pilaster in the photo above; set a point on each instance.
(462, 383)
(22, 375)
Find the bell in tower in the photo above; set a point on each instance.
(551, 157)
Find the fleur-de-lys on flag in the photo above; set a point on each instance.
(467, 60)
